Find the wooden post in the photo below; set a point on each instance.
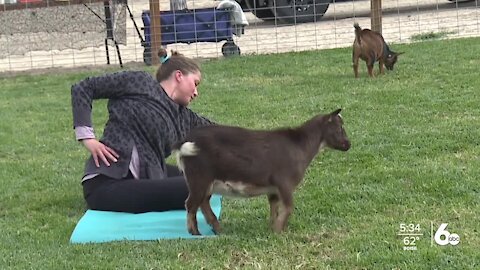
(155, 31)
(376, 15)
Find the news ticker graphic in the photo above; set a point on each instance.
(412, 233)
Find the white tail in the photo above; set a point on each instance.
(187, 149)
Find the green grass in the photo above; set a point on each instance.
(431, 35)
(414, 159)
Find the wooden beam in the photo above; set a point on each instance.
(376, 15)
(155, 31)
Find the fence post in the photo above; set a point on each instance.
(155, 34)
(376, 15)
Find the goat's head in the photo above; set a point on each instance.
(391, 58)
(335, 136)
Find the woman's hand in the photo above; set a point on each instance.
(100, 150)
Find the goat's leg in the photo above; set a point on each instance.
(191, 204)
(355, 64)
(370, 70)
(196, 196)
(370, 63)
(285, 211)
(274, 205)
(210, 216)
(380, 66)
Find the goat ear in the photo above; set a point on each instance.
(333, 114)
(336, 112)
(397, 54)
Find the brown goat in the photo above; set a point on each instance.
(234, 161)
(371, 47)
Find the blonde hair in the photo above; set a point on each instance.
(174, 62)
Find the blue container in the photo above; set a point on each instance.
(190, 26)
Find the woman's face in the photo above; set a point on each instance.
(187, 87)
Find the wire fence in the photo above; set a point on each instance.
(73, 33)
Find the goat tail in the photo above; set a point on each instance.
(186, 149)
(358, 30)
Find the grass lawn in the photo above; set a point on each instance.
(414, 160)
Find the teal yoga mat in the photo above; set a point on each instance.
(104, 226)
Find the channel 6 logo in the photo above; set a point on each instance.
(443, 237)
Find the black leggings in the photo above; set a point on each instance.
(136, 195)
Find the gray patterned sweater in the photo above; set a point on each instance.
(140, 114)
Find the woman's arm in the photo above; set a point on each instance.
(102, 87)
(106, 86)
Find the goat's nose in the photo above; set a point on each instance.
(346, 145)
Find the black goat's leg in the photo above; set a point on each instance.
(192, 204)
(197, 194)
(274, 205)
(210, 216)
(286, 199)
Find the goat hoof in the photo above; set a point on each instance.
(217, 230)
(277, 229)
(194, 231)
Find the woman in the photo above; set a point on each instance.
(127, 171)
